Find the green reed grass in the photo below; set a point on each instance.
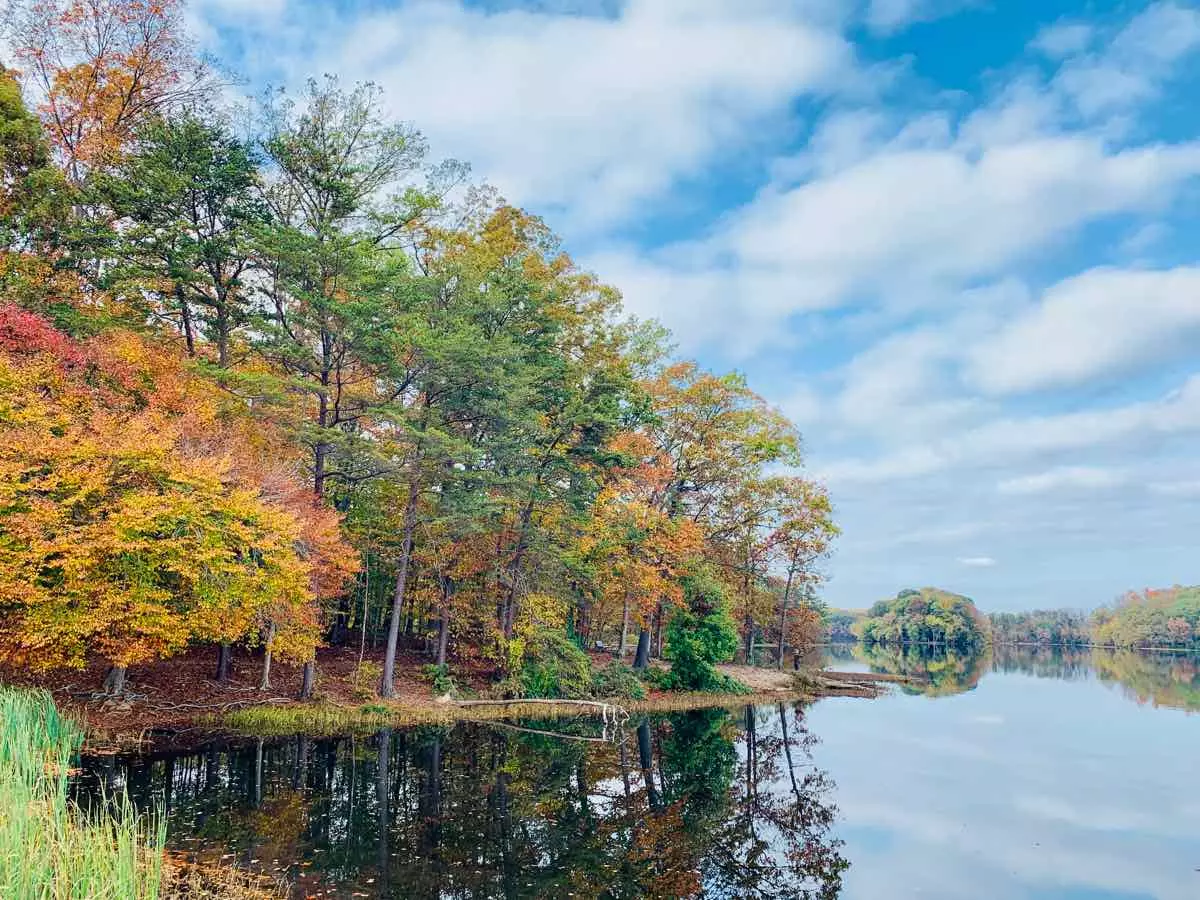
(50, 849)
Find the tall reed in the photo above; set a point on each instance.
(49, 848)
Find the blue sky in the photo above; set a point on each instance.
(955, 240)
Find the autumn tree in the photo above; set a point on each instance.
(713, 436)
(99, 69)
(802, 538)
(133, 524)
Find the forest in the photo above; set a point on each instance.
(1149, 619)
(925, 616)
(274, 377)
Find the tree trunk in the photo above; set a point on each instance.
(386, 687)
(641, 658)
(749, 626)
(659, 615)
(624, 642)
(223, 330)
(308, 679)
(224, 662)
(114, 681)
(185, 316)
(266, 673)
(510, 604)
(443, 636)
(787, 592)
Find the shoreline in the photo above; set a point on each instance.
(177, 702)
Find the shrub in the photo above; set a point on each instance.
(553, 666)
(699, 635)
(618, 680)
(439, 677)
(365, 679)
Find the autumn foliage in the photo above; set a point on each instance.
(307, 386)
(140, 511)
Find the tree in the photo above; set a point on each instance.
(101, 68)
(713, 437)
(700, 635)
(803, 537)
(335, 343)
(187, 207)
(133, 524)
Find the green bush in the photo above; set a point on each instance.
(700, 635)
(439, 677)
(618, 680)
(554, 667)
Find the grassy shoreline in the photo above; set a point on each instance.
(177, 703)
(324, 718)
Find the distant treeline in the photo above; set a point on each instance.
(1166, 618)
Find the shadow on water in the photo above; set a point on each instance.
(708, 803)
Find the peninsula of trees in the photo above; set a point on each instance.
(303, 384)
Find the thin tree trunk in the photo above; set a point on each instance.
(443, 635)
(266, 672)
(787, 593)
(510, 605)
(223, 332)
(362, 638)
(224, 662)
(185, 315)
(387, 688)
(624, 642)
(308, 679)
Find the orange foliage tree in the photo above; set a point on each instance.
(100, 67)
(138, 512)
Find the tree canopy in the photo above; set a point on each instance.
(928, 615)
(280, 385)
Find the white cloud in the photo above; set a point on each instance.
(1063, 39)
(1065, 478)
(1131, 68)
(1005, 441)
(901, 223)
(1099, 324)
(977, 562)
(887, 16)
(588, 116)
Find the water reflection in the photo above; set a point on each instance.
(1158, 679)
(933, 671)
(1038, 780)
(708, 803)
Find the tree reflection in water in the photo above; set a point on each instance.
(707, 803)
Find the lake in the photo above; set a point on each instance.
(1017, 774)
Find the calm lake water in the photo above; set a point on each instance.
(1016, 775)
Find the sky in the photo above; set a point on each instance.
(954, 240)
